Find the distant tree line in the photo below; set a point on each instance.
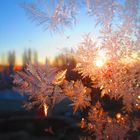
(7, 70)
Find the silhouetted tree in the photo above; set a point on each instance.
(11, 61)
(28, 57)
(35, 57)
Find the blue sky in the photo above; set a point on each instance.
(17, 32)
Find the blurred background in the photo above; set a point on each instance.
(23, 42)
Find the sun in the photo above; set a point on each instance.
(101, 58)
(99, 63)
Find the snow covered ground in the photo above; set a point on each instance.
(10, 95)
(10, 101)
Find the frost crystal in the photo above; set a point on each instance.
(41, 84)
(78, 94)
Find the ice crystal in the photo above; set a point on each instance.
(97, 119)
(41, 84)
(116, 130)
(106, 127)
(112, 62)
(78, 94)
(54, 15)
(118, 76)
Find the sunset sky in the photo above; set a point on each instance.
(17, 33)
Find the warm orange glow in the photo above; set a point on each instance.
(109, 120)
(99, 63)
(101, 58)
(1, 68)
(131, 59)
(17, 68)
(138, 96)
(118, 115)
(46, 109)
(90, 126)
(83, 124)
